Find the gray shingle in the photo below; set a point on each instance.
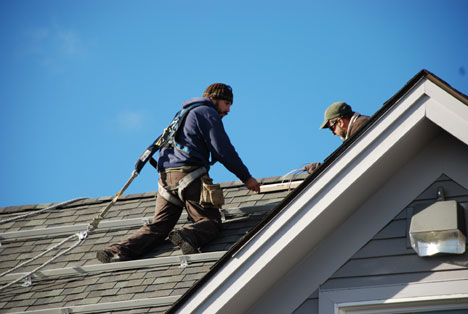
(119, 285)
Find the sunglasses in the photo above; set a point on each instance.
(331, 124)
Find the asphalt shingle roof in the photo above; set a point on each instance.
(78, 283)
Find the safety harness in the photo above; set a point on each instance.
(165, 191)
(167, 139)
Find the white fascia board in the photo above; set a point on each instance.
(231, 290)
(447, 112)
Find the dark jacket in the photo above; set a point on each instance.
(203, 131)
(358, 124)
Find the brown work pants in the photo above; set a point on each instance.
(206, 221)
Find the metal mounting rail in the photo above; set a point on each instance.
(290, 185)
(115, 224)
(34, 233)
(109, 306)
(181, 260)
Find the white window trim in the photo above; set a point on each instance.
(405, 306)
(404, 298)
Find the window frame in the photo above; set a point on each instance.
(396, 298)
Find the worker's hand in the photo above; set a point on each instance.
(311, 167)
(252, 185)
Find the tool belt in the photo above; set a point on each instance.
(211, 194)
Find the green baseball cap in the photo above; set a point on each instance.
(335, 110)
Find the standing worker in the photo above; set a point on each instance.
(184, 182)
(343, 122)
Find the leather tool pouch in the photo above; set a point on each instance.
(211, 194)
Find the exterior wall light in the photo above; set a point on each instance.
(439, 228)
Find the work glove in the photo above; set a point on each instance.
(311, 167)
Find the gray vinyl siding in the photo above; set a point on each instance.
(310, 305)
(388, 257)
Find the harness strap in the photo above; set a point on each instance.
(168, 139)
(180, 186)
(189, 178)
(169, 197)
(177, 122)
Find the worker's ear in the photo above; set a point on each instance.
(340, 121)
(215, 103)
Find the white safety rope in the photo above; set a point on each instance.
(292, 173)
(81, 237)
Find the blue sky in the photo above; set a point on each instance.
(86, 86)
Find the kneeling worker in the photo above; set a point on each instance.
(343, 122)
(185, 163)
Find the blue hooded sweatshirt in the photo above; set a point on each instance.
(203, 132)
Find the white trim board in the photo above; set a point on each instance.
(398, 297)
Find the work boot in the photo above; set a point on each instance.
(105, 256)
(183, 242)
